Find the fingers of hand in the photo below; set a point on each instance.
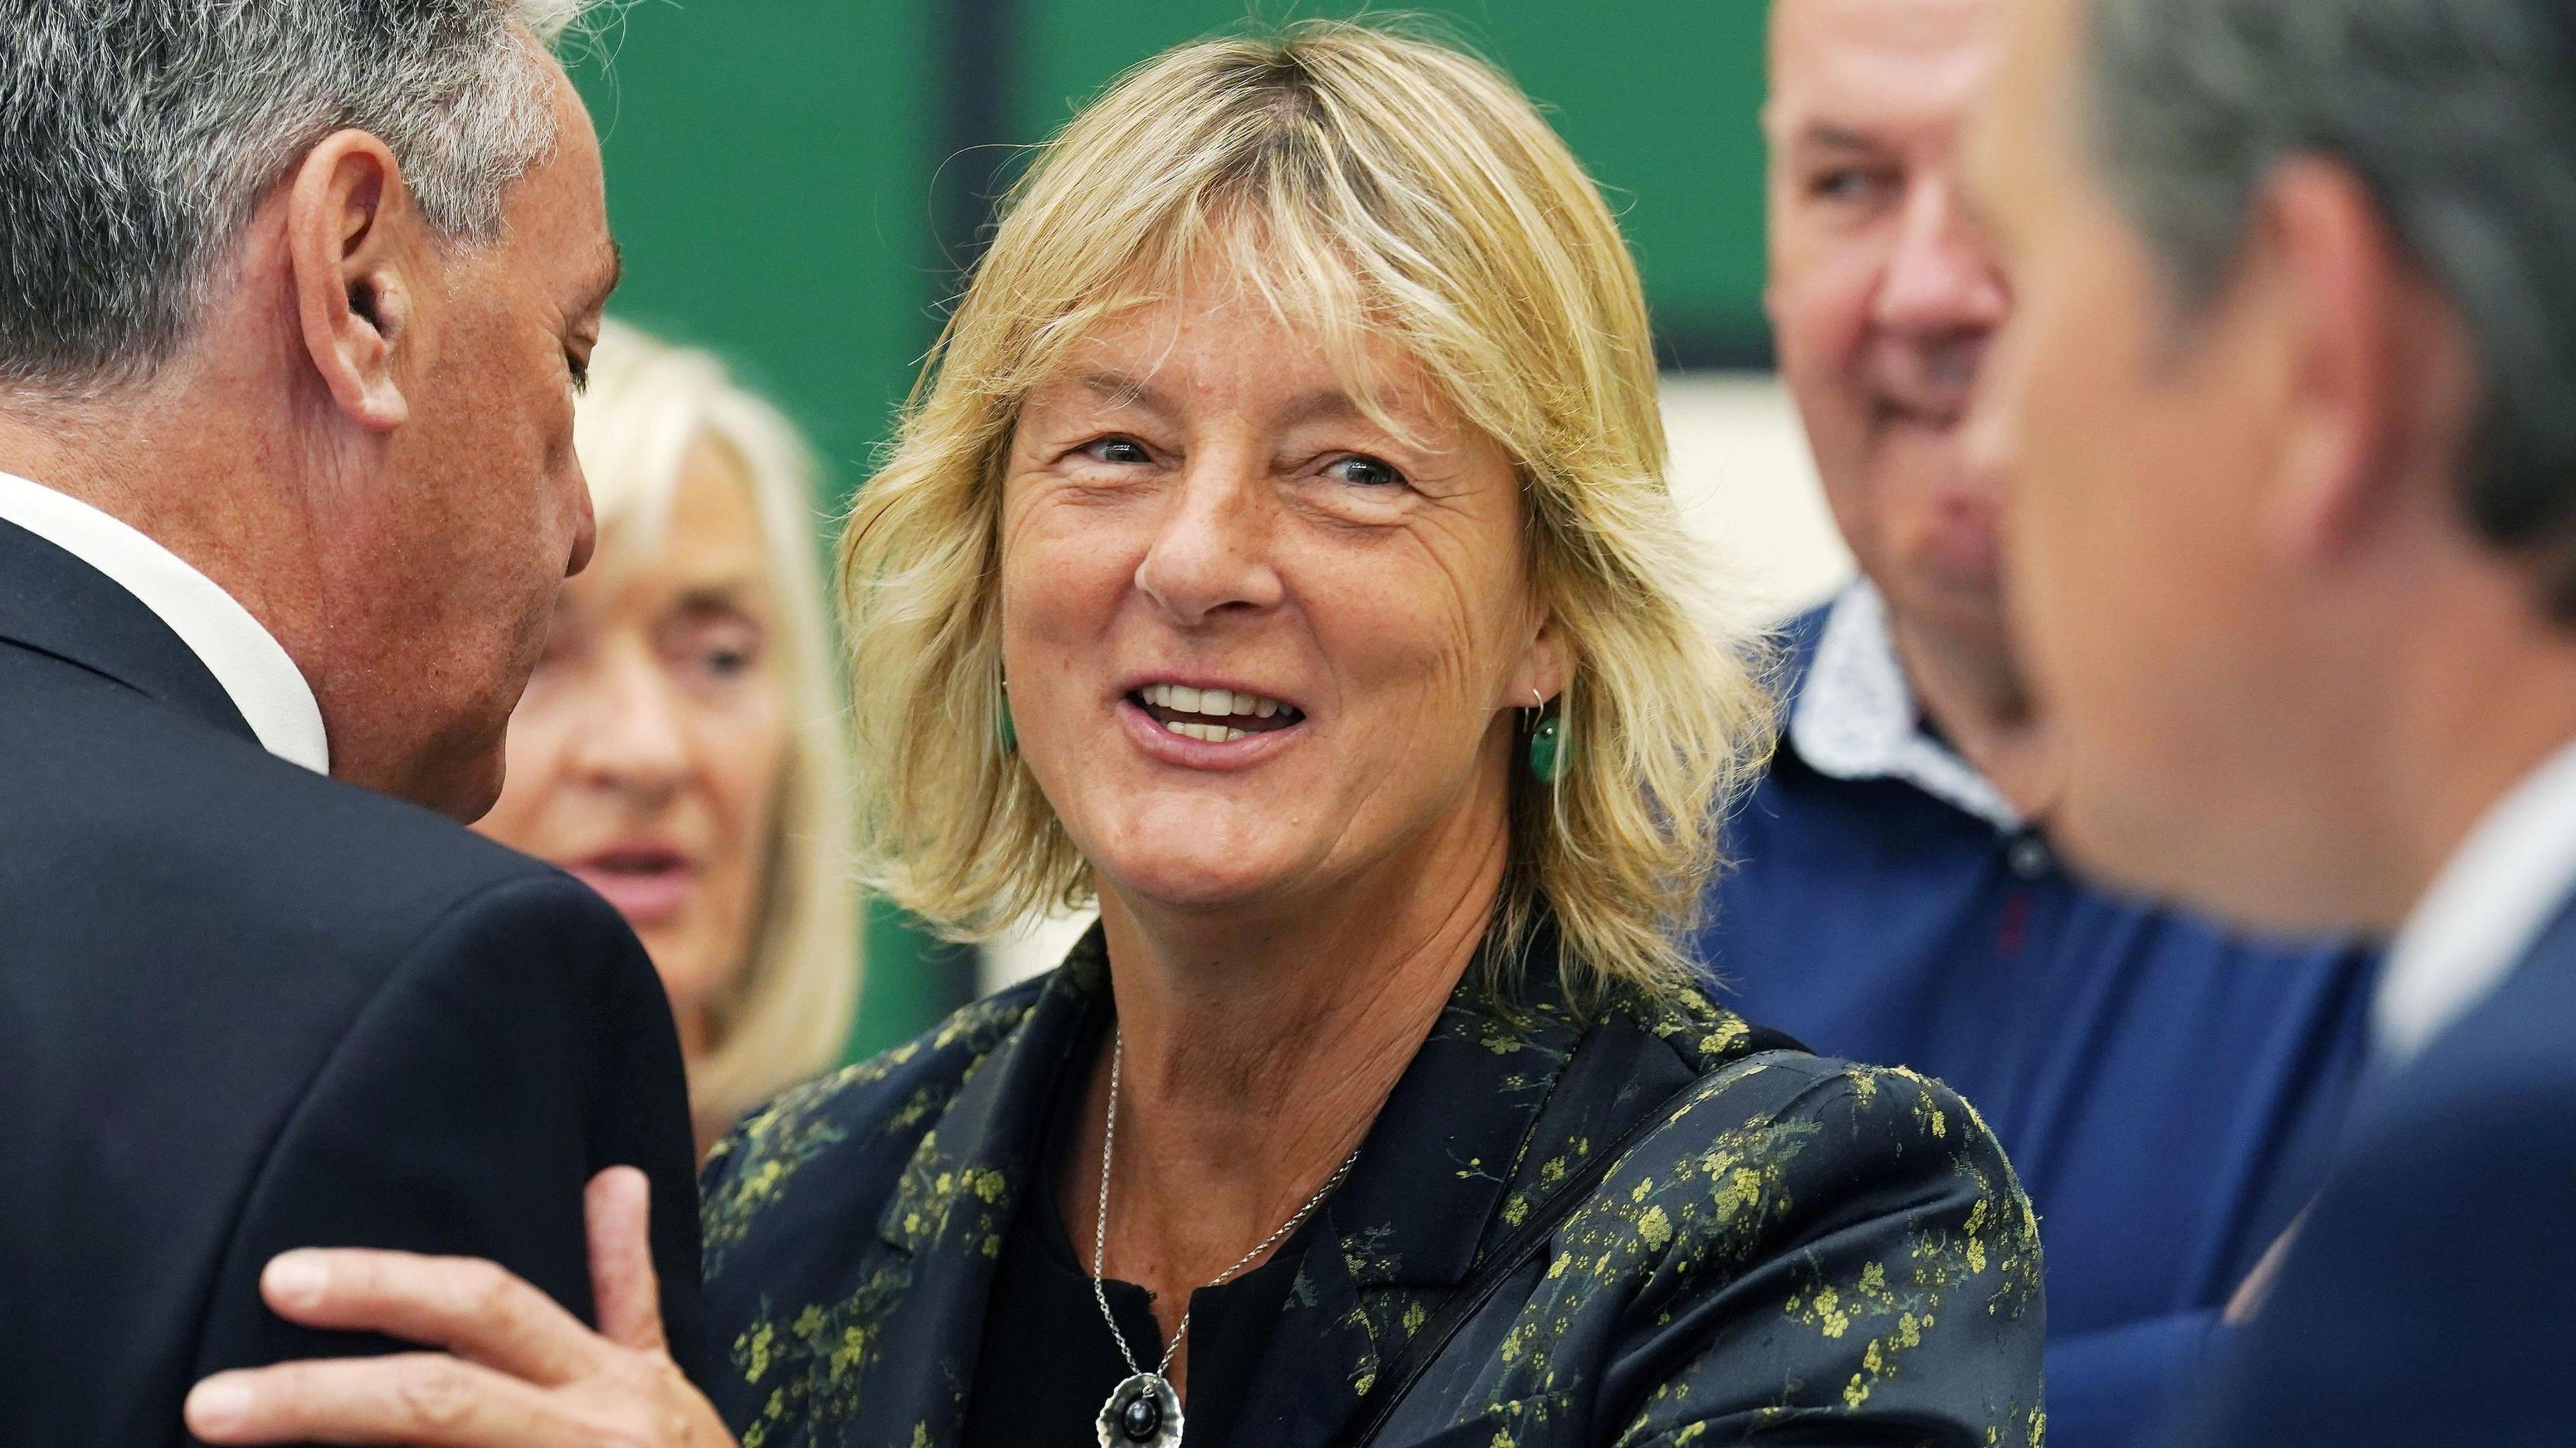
(470, 1307)
(426, 1400)
(619, 1206)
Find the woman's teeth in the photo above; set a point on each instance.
(1221, 716)
(1216, 703)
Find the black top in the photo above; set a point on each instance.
(245, 1008)
(1793, 1250)
(1047, 1363)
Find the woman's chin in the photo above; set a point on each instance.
(1197, 884)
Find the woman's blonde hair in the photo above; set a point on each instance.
(649, 407)
(1378, 189)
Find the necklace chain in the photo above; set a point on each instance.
(1100, 1226)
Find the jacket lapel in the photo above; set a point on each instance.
(951, 1212)
(1443, 1171)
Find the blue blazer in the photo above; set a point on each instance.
(2430, 1297)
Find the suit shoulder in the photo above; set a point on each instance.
(125, 792)
(818, 1149)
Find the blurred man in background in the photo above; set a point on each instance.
(2287, 419)
(2164, 1089)
(294, 300)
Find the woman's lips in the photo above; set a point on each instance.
(1205, 742)
(648, 886)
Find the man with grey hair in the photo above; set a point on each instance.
(295, 297)
(2287, 422)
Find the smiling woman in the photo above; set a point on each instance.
(1278, 551)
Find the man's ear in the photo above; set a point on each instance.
(352, 240)
(2379, 383)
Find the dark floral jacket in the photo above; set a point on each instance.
(1802, 1252)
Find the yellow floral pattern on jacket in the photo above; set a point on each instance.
(1797, 1250)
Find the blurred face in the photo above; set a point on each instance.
(1259, 646)
(647, 754)
(452, 551)
(1881, 296)
(2139, 455)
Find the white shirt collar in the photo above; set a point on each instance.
(2484, 913)
(245, 658)
(1856, 718)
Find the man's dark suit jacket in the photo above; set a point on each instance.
(245, 1008)
(2431, 1298)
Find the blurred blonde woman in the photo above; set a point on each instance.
(1279, 552)
(680, 747)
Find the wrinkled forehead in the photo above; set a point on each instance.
(1879, 65)
(1259, 300)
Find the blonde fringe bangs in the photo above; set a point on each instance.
(1376, 191)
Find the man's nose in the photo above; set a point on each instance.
(1211, 549)
(585, 533)
(633, 737)
(1943, 277)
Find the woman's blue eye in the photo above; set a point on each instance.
(1366, 472)
(1121, 450)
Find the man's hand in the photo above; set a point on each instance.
(518, 1370)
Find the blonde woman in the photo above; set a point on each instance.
(680, 747)
(1279, 553)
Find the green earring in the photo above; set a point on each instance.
(1547, 754)
(1010, 732)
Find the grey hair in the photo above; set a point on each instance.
(137, 136)
(2458, 115)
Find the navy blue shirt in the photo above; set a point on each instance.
(2166, 1091)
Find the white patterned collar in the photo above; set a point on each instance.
(255, 671)
(1857, 718)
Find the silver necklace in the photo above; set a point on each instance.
(1145, 1411)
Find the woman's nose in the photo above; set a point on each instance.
(1211, 548)
(633, 738)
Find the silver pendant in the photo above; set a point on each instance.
(1142, 1412)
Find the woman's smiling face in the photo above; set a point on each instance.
(1258, 644)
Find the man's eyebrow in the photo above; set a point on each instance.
(1827, 136)
(615, 273)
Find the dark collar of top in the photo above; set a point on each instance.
(55, 604)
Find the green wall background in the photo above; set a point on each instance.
(781, 173)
